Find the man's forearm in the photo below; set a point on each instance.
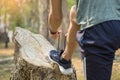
(55, 15)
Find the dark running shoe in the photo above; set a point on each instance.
(64, 66)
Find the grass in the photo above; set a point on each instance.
(5, 68)
(116, 71)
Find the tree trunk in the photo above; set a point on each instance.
(34, 18)
(31, 58)
(43, 15)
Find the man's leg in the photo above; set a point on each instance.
(71, 42)
(55, 15)
(64, 59)
(99, 43)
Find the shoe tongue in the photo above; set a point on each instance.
(65, 61)
(61, 51)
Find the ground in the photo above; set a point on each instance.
(6, 68)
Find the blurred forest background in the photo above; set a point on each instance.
(26, 14)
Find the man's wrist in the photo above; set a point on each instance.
(53, 32)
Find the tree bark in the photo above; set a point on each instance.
(31, 58)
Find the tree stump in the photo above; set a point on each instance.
(31, 58)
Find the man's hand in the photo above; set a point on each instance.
(55, 35)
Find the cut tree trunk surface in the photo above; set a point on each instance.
(31, 58)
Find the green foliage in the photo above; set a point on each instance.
(17, 12)
(70, 3)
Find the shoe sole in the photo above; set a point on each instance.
(62, 69)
